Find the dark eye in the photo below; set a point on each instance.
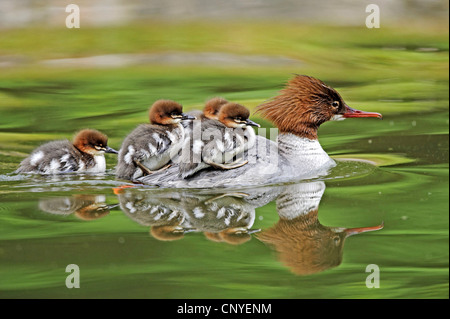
(238, 118)
(335, 104)
(336, 240)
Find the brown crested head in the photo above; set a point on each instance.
(212, 107)
(235, 115)
(304, 104)
(92, 142)
(166, 112)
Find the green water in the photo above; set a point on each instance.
(398, 175)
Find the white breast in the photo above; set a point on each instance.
(303, 152)
(100, 165)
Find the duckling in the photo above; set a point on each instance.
(150, 147)
(85, 154)
(193, 129)
(211, 109)
(226, 138)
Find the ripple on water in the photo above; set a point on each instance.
(350, 168)
(18, 183)
(347, 167)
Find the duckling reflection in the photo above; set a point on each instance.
(303, 244)
(223, 218)
(162, 212)
(226, 217)
(85, 207)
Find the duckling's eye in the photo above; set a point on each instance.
(335, 104)
(238, 118)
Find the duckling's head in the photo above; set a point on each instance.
(92, 142)
(304, 104)
(212, 107)
(168, 232)
(235, 115)
(167, 112)
(237, 235)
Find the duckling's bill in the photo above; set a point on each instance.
(251, 123)
(110, 150)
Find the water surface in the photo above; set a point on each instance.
(284, 241)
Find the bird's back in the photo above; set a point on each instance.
(208, 140)
(52, 157)
(145, 142)
(262, 168)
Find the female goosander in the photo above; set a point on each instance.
(85, 154)
(150, 147)
(298, 111)
(218, 142)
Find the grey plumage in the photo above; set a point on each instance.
(151, 144)
(267, 165)
(222, 178)
(199, 142)
(56, 156)
(207, 141)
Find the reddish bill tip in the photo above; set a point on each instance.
(350, 112)
(359, 230)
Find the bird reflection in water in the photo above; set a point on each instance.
(85, 207)
(170, 215)
(302, 243)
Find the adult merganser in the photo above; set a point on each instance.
(297, 111)
(215, 143)
(85, 154)
(151, 146)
